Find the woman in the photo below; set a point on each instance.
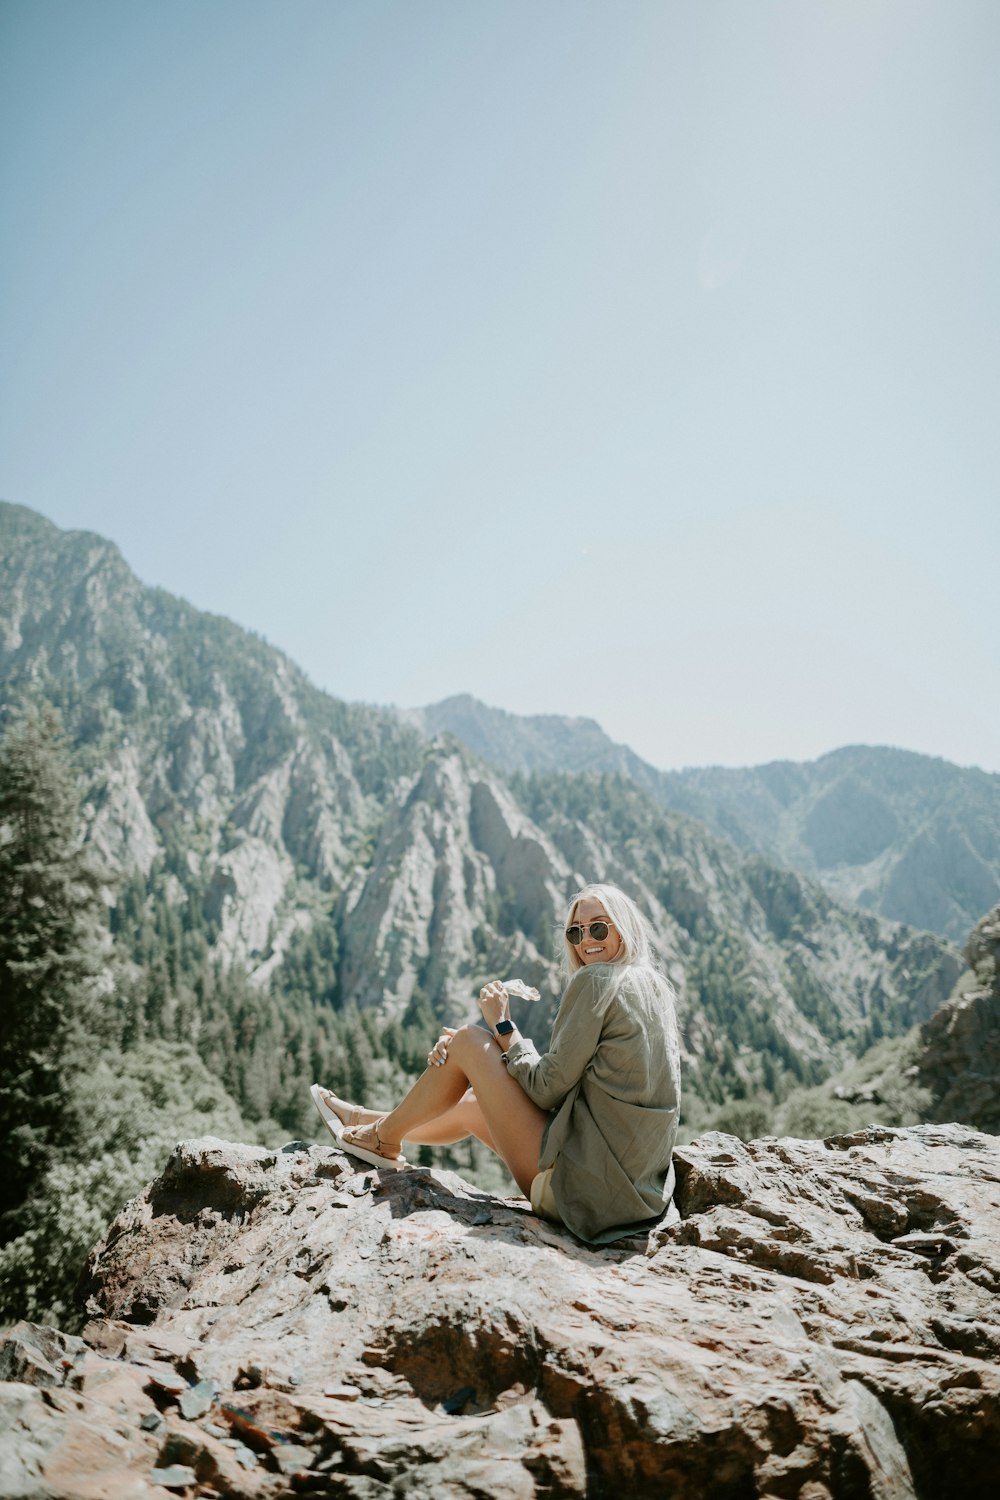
(587, 1129)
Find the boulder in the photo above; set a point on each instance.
(818, 1319)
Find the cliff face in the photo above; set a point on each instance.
(820, 1320)
(960, 1058)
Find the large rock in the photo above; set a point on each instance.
(820, 1321)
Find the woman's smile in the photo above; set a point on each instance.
(594, 948)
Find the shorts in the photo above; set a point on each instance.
(543, 1201)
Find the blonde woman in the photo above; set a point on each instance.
(587, 1128)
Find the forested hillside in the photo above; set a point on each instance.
(301, 888)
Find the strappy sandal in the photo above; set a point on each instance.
(335, 1123)
(363, 1141)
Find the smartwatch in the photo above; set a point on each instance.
(503, 1028)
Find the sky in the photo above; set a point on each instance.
(631, 360)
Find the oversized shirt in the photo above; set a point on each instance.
(611, 1080)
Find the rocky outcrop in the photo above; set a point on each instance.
(820, 1320)
(120, 829)
(960, 1058)
(461, 882)
(245, 891)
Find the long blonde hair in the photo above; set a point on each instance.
(637, 962)
(638, 945)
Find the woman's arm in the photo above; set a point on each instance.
(575, 1035)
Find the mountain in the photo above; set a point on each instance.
(909, 836)
(530, 742)
(304, 888)
(184, 722)
(349, 866)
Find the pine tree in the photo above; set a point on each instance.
(51, 959)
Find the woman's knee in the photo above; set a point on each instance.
(468, 1041)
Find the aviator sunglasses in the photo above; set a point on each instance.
(597, 930)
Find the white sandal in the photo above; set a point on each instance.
(342, 1129)
(373, 1154)
(334, 1123)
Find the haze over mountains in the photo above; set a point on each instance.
(272, 817)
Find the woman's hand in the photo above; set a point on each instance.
(438, 1055)
(494, 1002)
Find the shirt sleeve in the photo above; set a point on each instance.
(576, 1032)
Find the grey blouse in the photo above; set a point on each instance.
(611, 1079)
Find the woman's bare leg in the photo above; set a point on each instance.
(457, 1124)
(514, 1122)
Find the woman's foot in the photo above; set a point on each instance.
(349, 1115)
(365, 1142)
(336, 1114)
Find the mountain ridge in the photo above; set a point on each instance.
(912, 837)
(283, 829)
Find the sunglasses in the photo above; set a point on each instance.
(597, 930)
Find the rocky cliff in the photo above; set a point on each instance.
(816, 1319)
(960, 1045)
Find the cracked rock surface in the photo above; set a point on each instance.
(821, 1320)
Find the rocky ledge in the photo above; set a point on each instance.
(822, 1320)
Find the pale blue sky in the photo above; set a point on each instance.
(633, 360)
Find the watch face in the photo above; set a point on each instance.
(504, 1028)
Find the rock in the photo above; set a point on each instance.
(293, 1458)
(445, 852)
(246, 887)
(170, 1383)
(174, 1477)
(982, 950)
(37, 1356)
(57, 1443)
(121, 830)
(960, 1060)
(244, 1455)
(197, 1400)
(821, 1320)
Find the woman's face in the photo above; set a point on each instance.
(592, 950)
